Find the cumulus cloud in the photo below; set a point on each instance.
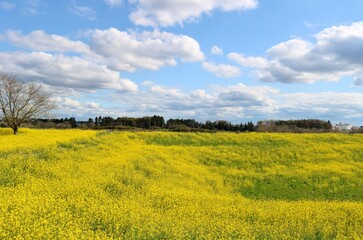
(222, 70)
(199, 93)
(324, 105)
(61, 62)
(67, 106)
(40, 41)
(166, 92)
(64, 71)
(241, 92)
(257, 98)
(130, 51)
(215, 103)
(118, 50)
(168, 13)
(216, 50)
(240, 103)
(336, 53)
(250, 62)
(237, 103)
(113, 3)
(71, 103)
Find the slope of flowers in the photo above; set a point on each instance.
(123, 185)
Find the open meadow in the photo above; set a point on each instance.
(74, 184)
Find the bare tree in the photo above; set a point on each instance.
(21, 101)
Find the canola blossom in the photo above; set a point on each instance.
(74, 184)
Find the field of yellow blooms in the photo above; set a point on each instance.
(74, 184)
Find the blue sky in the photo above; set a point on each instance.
(236, 60)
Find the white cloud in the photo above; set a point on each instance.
(343, 42)
(7, 6)
(118, 50)
(241, 103)
(251, 97)
(236, 103)
(166, 92)
(67, 107)
(216, 50)
(222, 70)
(82, 11)
(148, 50)
(168, 13)
(113, 3)
(92, 105)
(63, 71)
(251, 62)
(198, 93)
(71, 103)
(290, 50)
(40, 41)
(214, 103)
(336, 53)
(278, 72)
(323, 105)
(125, 85)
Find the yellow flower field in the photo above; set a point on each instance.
(73, 184)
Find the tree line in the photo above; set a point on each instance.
(185, 125)
(147, 122)
(301, 125)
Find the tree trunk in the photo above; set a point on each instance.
(15, 129)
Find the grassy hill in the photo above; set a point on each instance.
(73, 184)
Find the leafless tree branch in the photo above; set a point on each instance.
(20, 101)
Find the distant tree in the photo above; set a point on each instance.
(250, 127)
(90, 123)
(21, 101)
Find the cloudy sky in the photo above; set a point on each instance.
(236, 60)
